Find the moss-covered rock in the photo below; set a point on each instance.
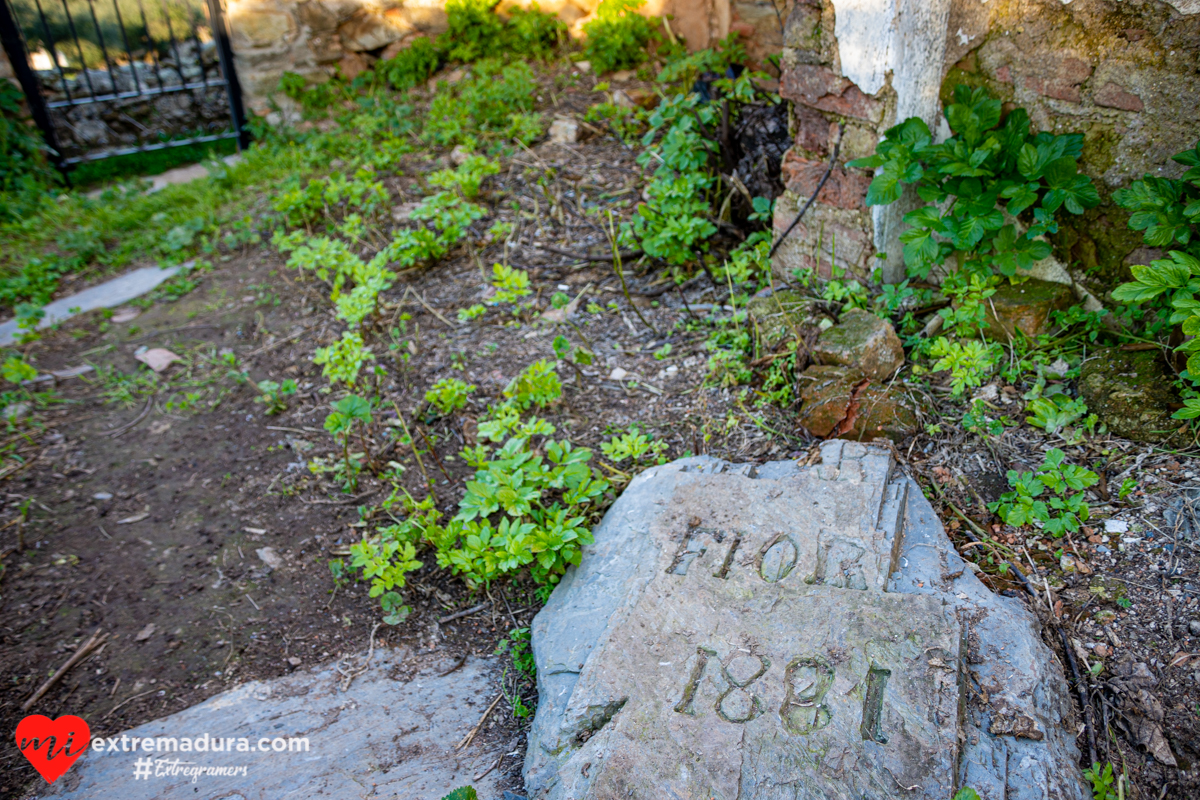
(863, 341)
(784, 315)
(1131, 393)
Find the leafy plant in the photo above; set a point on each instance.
(511, 284)
(1168, 213)
(448, 395)
(411, 67)
(537, 385)
(340, 422)
(342, 360)
(16, 370)
(618, 35)
(275, 395)
(970, 361)
(25, 173)
(634, 445)
(516, 645)
(1064, 511)
(1055, 412)
(462, 793)
(468, 177)
(1102, 780)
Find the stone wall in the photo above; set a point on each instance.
(1126, 74)
(315, 38)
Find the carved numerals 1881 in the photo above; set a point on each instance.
(807, 681)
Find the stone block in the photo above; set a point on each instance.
(826, 236)
(740, 632)
(820, 87)
(368, 30)
(813, 131)
(863, 341)
(1025, 307)
(393, 728)
(1063, 82)
(1130, 393)
(257, 25)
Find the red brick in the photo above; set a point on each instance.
(1111, 95)
(812, 130)
(1064, 83)
(843, 189)
(822, 88)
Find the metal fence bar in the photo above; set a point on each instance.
(14, 45)
(127, 151)
(137, 82)
(62, 76)
(233, 88)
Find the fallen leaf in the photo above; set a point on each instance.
(270, 557)
(157, 359)
(1183, 659)
(134, 518)
(128, 314)
(160, 426)
(145, 633)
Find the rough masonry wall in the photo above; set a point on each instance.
(1125, 74)
(316, 38)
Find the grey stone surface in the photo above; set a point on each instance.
(109, 294)
(790, 632)
(391, 734)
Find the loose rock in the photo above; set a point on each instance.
(841, 401)
(863, 341)
(1025, 307)
(564, 131)
(1130, 393)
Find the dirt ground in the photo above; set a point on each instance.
(145, 518)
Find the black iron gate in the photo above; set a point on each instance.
(113, 77)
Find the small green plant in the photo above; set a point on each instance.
(617, 37)
(970, 362)
(462, 793)
(537, 385)
(274, 395)
(1055, 412)
(343, 359)
(966, 793)
(340, 423)
(663, 352)
(1102, 780)
(471, 312)
(468, 177)
(16, 370)
(511, 284)
(634, 445)
(1064, 511)
(411, 67)
(449, 395)
(517, 646)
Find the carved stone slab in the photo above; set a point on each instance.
(739, 633)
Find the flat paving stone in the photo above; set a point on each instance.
(109, 294)
(790, 632)
(392, 734)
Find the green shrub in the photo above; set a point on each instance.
(617, 37)
(474, 30)
(410, 67)
(1064, 511)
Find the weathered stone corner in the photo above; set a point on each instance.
(781, 631)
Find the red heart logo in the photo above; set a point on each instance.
(52, 745)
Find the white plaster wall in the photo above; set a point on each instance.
(904, 42)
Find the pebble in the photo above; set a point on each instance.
(1194, 627)
(1102, 549)
(1115, 526)
(1102, 650)
(617, 374)
(102, 496)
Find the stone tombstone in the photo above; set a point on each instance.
(790, 632)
